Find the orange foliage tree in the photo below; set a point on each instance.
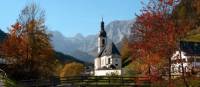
(158, 35)
(125, 51)
(27, 48)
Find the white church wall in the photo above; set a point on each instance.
(105, 62)
(99, 42)
(97, 63)
(107, 72)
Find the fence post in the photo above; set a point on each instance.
(122, 82)
(109, 80)
(54, 81)
(96, 80)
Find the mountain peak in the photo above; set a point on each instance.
(116, 31)
(79, 35)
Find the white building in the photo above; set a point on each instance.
(190, 55)
(108, 60)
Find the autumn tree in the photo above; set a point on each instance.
(125, 50)
(72, 69)
(28, 48)
(159, 35)
(188, 13)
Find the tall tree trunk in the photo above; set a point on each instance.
(169, 70)
(183, 70)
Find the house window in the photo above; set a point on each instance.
(172, 69)
(186, 69)
(179, 69)
(197, 59)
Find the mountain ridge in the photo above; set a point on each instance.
(86, 45)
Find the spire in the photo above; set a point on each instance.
(102, 31)
(102, 24)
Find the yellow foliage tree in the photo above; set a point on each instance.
(72, 69)
(125, 50)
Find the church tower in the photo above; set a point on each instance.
(108, 58)
(102, 38)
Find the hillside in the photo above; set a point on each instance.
(63, 58)
(2, 35)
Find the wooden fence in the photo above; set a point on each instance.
(89, 81)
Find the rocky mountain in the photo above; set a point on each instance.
(117, 30)
(64, 58)
(85, 48)
(70, 44)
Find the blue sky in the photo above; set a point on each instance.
(72, 16)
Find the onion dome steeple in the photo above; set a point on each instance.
(102, 32)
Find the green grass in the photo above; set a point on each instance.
(9, 83)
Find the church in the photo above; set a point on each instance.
(108, 60)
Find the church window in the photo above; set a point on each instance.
(116, 64)
(103, 42)
(109, 61)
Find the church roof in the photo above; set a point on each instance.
(109, 50)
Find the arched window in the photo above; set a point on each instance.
(109, 60)
(103, 41)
